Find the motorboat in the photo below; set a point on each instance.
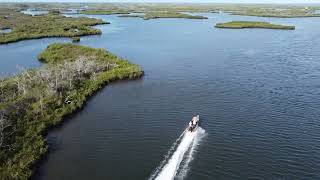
(194, 123)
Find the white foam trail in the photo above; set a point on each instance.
(167, 156)
(189, 157)
(169, 171)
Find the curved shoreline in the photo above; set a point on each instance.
(31, 145)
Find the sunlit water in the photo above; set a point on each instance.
(256, 90)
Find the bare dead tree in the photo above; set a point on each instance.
(50, 80)
(61, 77)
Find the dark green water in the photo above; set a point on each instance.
(257, 92)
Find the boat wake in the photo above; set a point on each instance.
(180, 154)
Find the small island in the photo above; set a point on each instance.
(24, 26)
(75, 39)
(37, 99)
(157, 15)
(252, 24)
(131, 16)
(104, 12)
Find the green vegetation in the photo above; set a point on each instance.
(103, 12)
(252, 24)
(278, 12)
(264, 10)
(75, 39)
(131, 16)
(50, 25)
(36, 100)
(157, 15)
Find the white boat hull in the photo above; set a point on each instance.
(194, 128)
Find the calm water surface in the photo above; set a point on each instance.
(257, 92)
(22, 55)
(5, 31)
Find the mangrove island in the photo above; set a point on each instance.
(252, 24)
(157, 15)
(49, 25)
(37, 99)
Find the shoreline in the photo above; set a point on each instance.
(31, 145)
(252, 25)
(66, 119)
(99, 32)
(25, 27)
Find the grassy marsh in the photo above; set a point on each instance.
(157, 15)
(252, 24)
(263, 10)
(38, 99)
(278, 12)
(103, 12)
(50, 25)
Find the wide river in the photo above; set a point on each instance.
(257, 92)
